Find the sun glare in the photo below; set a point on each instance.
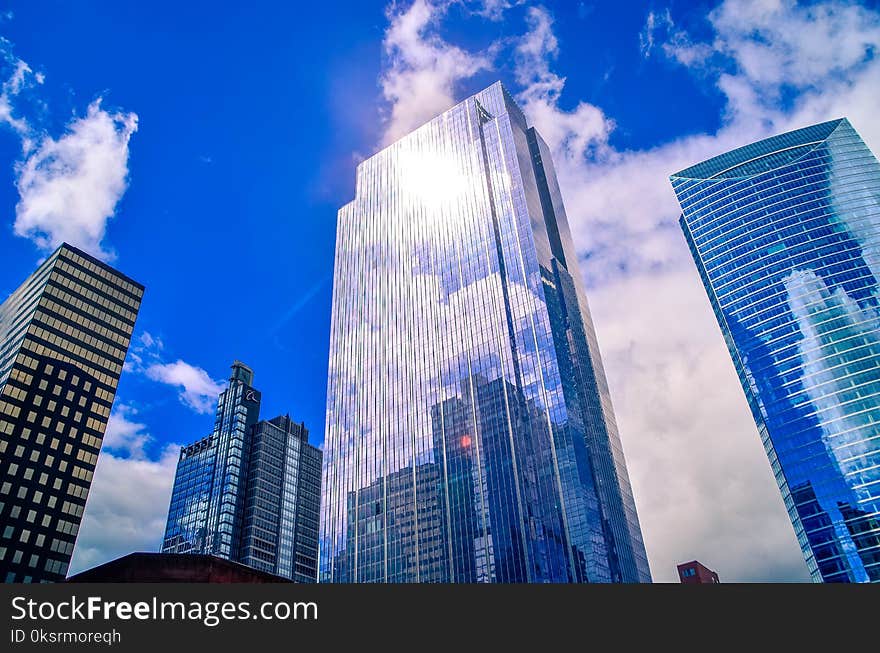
(436, 180)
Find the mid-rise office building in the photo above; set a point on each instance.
(785, 233)
(250, 491)
(64, 335)
(470, 433)
(282, 501)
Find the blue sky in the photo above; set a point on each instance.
(204, 152)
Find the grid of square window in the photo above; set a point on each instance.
(65, 355)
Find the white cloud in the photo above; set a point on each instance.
(126, 509)
(422, 69)
(625, 232)
(646, 36)
(583, 130)
(494, 9)
(197, 389)
(69, 187)
(22, 77)
(147, 340)
(124, 435)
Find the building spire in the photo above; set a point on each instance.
(241, 372)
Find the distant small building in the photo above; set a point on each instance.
(696, 573)
(173, 568)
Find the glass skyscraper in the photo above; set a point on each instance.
(207, 501)
(250, 491)
(786, 236)
(64, 335)
(470, 434)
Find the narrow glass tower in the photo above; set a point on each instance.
(785, 233)
(207, 502)
(470, 434)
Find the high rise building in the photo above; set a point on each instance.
(696, 573)
(282, 501)
(785, 234)
(250, 491)
(207, 501)
(64, 335)
(470, 434)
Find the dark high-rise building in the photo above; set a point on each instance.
(250, 491)
(785, 234)
(470, 433)
(696, 573)
(64, 335)
(282, 501)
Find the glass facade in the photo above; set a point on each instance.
(208, 496)
(64, 335)
(470, 434)
(250, 491)
(786, 236)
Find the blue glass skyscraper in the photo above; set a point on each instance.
(470, 434)
(786, 236)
